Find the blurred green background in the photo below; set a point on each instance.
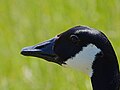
(28, 22)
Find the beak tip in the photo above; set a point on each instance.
(23, 51)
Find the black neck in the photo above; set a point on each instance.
(106, 74)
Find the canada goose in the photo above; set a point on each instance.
(85, 49)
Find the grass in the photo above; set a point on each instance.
(27, 22)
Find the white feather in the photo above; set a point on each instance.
(84, 59)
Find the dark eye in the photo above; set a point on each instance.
(74, 38)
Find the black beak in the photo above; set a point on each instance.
(43, 50)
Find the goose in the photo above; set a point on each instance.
(85, 49)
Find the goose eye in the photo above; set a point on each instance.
(74, 38)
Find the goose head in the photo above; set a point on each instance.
(82, 48)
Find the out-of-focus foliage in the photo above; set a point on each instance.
(27, 22)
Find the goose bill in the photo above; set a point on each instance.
(43, 50)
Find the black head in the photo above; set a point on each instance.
(66, 44)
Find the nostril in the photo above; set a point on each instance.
(39, 47)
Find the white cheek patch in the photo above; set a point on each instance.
(84, 59)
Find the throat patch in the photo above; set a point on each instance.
(84, 59)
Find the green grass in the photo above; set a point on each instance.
(27, 22)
